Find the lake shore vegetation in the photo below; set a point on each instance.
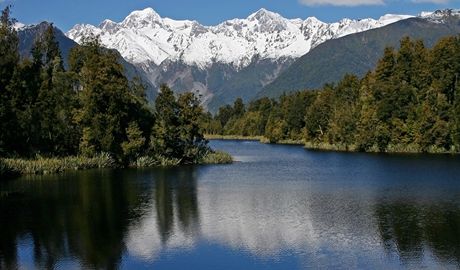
(86, 113)
(410, 103)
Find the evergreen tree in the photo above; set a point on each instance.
(224, 115)
(409, 102)
(386, 65)
(133, 147)
(106, 104)
(318, 115)
(177, 132)
(165, 136)
(238, 108)
(9, 58)
(192, 142)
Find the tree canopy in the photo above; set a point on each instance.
(89, 109)
(409, 103)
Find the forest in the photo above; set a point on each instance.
(88, 111)
(410, 103)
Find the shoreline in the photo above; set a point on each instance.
(233, 137)
(391, 149)
(261, 139)
(16, 167)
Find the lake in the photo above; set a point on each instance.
(277, 207)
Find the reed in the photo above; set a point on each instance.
(330, 147)
(216, 157)
(5, 170)
(41, 165)
(10, 167)
(232, 137)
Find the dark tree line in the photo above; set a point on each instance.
(89, 108)
(410, 103)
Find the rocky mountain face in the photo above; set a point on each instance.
(29, 34)
(235, 58)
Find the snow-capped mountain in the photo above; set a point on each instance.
(440, 15)
(233, 59)
(145, 36)
(360, 52)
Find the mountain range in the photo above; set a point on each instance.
(262, 55)
(359, 53)
(236, 58)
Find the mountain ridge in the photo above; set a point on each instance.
(235, 58)
(358, 53)
(145, 35)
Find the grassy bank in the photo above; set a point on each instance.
(261, 139)
(11, 167)
(212, 157)
(390, 149)
(40, 165)
(216, 157)
(323, 146)
(330, 147)
(233, 137)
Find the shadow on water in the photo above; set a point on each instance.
(176, 194)
(280, 207)
(411, 229)
(83, 217)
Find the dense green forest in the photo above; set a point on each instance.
(89, 108)
(409, 103)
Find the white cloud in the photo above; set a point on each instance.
(344, 2)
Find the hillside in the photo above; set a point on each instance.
(29, 34)
(358, 53)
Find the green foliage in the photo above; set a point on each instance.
(9, 58)
(135, 143)
(355, 54)
(318, 114)
(409, 103)
(104, 101)
(177, 133)
(89, 109)
(216, 157)
(43, 165)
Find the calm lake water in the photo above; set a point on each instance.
(278, 207)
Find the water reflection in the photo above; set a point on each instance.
(116, 219)
(321, 227)
(412, 229)
(83, 216)
(171, 218)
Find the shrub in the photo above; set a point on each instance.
(216, 157)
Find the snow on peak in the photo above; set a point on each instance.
(18, 26)
(264, 15)
(147, 13)
(109, 26)
(440, 14)
(391, 18)
(144, 37)
(141, 18)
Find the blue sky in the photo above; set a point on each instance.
(66, 13)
